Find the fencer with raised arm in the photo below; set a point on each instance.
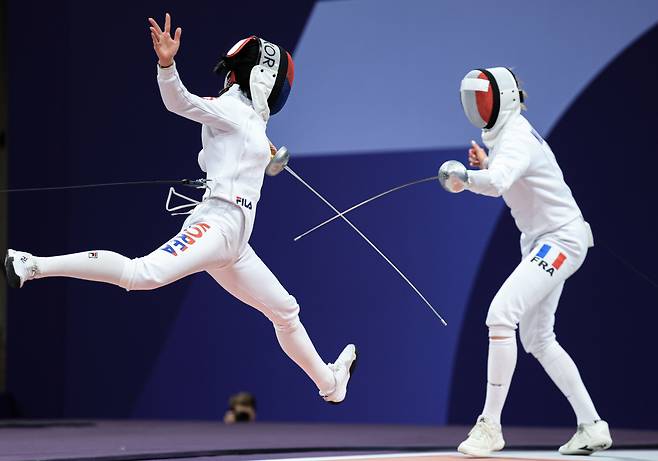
(215, 237)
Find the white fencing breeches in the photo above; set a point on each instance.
(213, 239)
(529, 298)
(530, 295)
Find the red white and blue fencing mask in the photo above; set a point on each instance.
(489, 94)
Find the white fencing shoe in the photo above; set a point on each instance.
(19, 267)
(342, 368)
(588, 439)
(485, 437)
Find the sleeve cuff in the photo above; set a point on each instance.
(478, 178)
(166, 71)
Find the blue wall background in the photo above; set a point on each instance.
(375, 104)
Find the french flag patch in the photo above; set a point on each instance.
(546, 264)
(557, 262)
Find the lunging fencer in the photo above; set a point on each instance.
(522, 168)
(214, 238)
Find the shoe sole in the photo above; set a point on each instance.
(475, 453)
(585, 452)
(13, 280)
(352, 369)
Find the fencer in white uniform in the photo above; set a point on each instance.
(215, 237)
(522, 168)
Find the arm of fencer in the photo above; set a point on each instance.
(508, 166)
(178, 100)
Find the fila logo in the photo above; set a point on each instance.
(542, 263)
(243, 202)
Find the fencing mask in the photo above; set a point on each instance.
(264, 71)
(487, 94)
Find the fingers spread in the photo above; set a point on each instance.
(155, 26)
(167, 23)
(177, 34)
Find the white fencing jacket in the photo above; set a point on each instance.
(235, 147)
(522, 168)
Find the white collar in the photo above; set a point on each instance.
(490, 137)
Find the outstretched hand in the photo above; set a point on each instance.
(477, 157)
(165, 46)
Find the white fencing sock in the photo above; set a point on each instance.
(97, 266)
(500, 368)
(564, 373)
(295, 342)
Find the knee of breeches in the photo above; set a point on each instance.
(139, 274)
(501, 314)
(536, 343)
(542, 350)
(284, 314)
